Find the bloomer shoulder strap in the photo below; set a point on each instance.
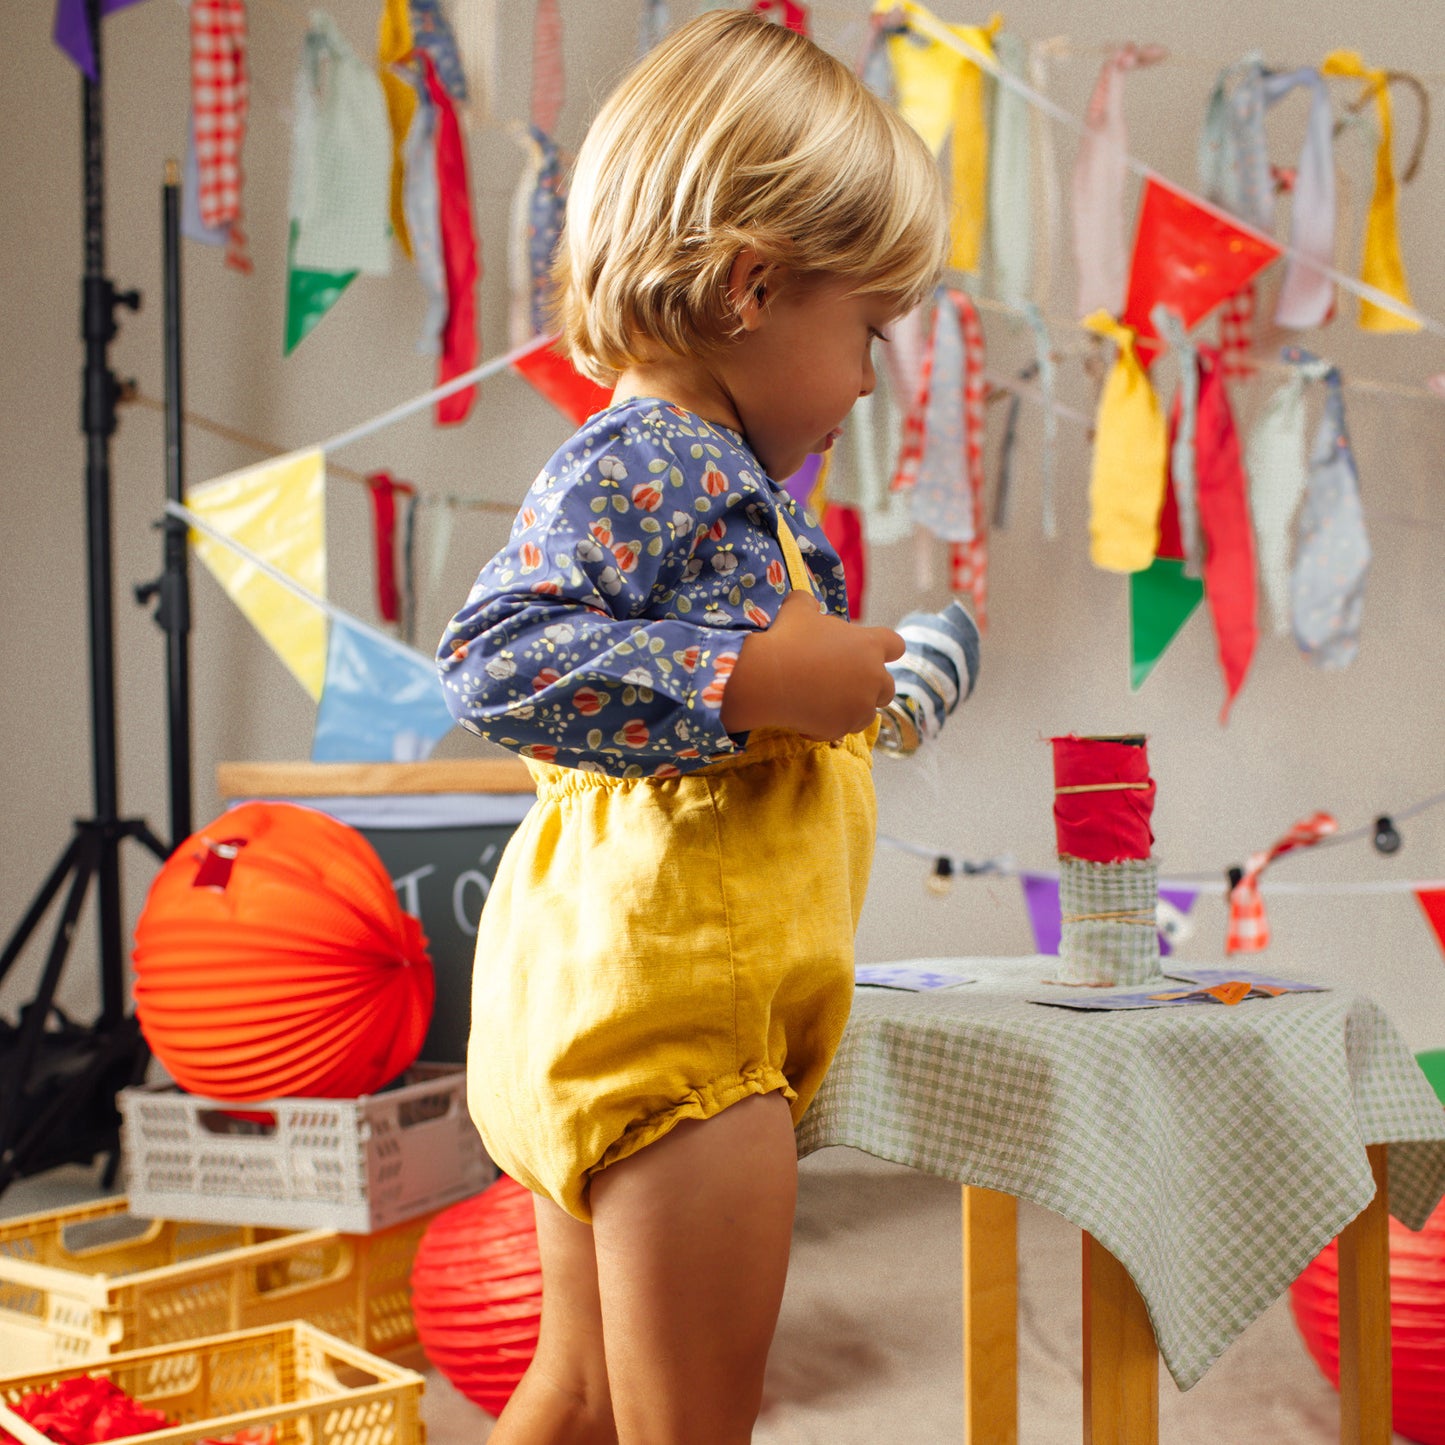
(798, 574)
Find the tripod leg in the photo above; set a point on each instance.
(141, 830)
(34, 1015)
(48, 890)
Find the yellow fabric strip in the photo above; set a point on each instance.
(394, 43)
(1383, 266)
(276, 509)
(798, 574)
(1126, 486)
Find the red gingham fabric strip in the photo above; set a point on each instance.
(968, 561)
(1236, 333)
(220, 95)
(910, 451)
(1248, 926)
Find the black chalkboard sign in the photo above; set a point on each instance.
(442, 876)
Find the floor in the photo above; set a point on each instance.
(869, 1344)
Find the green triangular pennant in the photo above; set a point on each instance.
(1161, 600)
(309, 295)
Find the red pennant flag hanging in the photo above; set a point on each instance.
(844, 529)
(384, 487)
(1187, 258)
(1221, 491)
(785, 12)
(1432, 903)
(554, 377)
(459, 251)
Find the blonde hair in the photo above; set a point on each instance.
(736, 132)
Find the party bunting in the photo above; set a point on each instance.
(1181, 494)
(537, 216)
(1188, 258)
(1248, 925)
(1100, 173)
(193, 228)
(1010, 180)
(843, 527)
(432, 32)
(1307, 295)
(1126, 484)
(220, 102)
(395, 43)
(277, 510)
(1332, 550)
(1224, 523)
(547, 76)
(421, 200)
(474, 23)
(1432, 905)
(941, 93)
(382, 701)
(1382, 265)
(459, 252)
(551, 374)
(383, 489)
(1041, 899)
(72, 31)
(339, 167)
(1275, 462)
(1161, 600)
(309, 295)
(785, 12)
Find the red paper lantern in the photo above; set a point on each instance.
(1417, 1324)
(476, 1292)
(273, 960)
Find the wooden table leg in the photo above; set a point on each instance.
(1121, 1358)
(990, 1318)
(1365, 1317)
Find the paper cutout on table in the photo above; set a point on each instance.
(1214, 987)
(906, 977)
(1186, 974)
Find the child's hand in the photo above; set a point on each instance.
(819, 675)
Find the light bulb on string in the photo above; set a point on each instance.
(1387, 835)
(940, 880)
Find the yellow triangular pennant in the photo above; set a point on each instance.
(277, 510)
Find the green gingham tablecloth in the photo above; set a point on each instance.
(1214, 1151)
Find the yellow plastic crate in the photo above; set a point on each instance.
(290, 1384)
(91, 1281)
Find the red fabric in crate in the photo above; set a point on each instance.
(273, 960)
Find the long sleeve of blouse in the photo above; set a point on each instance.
(603, 633)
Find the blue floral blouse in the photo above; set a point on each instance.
(602, 635)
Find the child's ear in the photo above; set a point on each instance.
(750, 283)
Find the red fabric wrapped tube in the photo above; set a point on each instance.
(1103, 798)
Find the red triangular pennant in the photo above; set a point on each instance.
(1188, 258)
(1432, 902)
(551, 374)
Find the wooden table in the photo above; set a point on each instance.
(1121, 1362)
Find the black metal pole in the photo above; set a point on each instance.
(98, 423)
(175, 602)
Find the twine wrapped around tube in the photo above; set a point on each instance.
(1108, 879)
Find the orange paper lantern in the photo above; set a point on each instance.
(476, 1293)
(273, 960)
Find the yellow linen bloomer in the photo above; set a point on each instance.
(656, 949)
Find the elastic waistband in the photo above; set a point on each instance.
(765, 745)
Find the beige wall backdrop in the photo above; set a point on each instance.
(1356, 742)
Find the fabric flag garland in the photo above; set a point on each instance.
(1161, 600)
(309, 295)
(785, 12)
(383, 488)
(1183, 421)
(381, 703)
(553, 376)
(220, 101)
(459, 252)
(432, 32)
(1382, 265)
(421, 200)
(1432, 905)
(1126, 484)
(1010, 180)
(1229, 582)
(276, 510)
(1100, 174)
(1307, 295)
(1186, 258)
(547, 77)
(1332, 551)
(1248, 925)
(72, 31)
(538, 212)
(193, 228)
(394, 43)
(1275, 461)
(1041, 900)
(339, 167)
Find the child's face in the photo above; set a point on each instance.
(796, 373)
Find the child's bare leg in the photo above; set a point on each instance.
(563, 1398)
(692, 1237)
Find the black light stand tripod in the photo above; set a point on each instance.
(59, 1079)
